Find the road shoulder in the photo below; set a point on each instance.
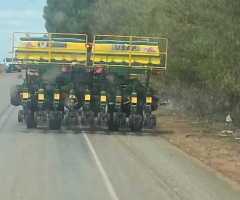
(206, 142)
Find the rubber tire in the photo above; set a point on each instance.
(54, 124)
(91, 121)
(98, 121)
(19, 117)
(155, 122)
(30, 121)
(138, 129)
(83, 120)
(76, 121)
(111, 125)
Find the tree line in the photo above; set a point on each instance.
(204, 36)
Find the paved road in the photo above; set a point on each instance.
(79, 165)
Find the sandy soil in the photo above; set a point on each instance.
(204, 141)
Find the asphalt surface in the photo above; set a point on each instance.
(88, 164)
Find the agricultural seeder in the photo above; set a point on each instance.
(69, 79)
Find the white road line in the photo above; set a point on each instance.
(102, 171)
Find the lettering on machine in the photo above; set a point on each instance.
(125, 48)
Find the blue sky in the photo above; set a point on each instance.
(19, 15)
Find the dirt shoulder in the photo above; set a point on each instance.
(206, 142)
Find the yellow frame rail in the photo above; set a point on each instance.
(27, 34)
(130, 40)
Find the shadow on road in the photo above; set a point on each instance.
(93, 129)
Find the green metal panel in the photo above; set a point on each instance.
(121, 71)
